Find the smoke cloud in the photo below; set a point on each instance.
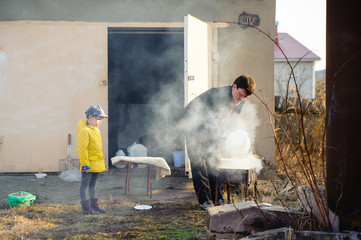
(235, 150)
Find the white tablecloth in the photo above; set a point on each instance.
(162, 167)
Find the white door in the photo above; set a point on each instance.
(195, 64)
(195, 57)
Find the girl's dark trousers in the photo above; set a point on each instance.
(88, 180)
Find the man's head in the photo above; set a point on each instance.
(243, 87)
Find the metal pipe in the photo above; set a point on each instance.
(343, 125)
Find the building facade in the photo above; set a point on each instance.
(58, 58)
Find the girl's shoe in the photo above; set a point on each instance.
(94, 203)
(86, 208)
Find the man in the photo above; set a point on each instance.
(207, 119)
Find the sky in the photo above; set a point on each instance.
(305, 20)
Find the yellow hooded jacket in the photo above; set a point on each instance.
(90, 147)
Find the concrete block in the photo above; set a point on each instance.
(312, 205)
(248, 217)
(291, 234)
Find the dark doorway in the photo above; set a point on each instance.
(146, 88)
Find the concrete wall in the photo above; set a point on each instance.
(53, 58)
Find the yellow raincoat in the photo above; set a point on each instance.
(90, 147)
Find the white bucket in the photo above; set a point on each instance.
(178, 159)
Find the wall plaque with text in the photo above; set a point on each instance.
(245, 20)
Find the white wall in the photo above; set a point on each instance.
(304, 73)
(48, 77)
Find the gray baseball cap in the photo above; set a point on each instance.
(95, 110)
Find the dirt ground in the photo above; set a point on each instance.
(110, 186)
(56, 213)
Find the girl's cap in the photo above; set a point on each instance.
(95, 110)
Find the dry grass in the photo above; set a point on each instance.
(163, 221)
(301, 135)
(300, 159)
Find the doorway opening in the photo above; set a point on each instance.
(146, 89)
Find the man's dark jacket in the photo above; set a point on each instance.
(203, 115)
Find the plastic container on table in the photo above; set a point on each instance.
(137, 150)
(178, 159)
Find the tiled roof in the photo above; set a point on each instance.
(293, 49)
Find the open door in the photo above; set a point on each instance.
(195, 57)
(145, 88)
(195, 64)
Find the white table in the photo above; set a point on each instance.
(161, 165)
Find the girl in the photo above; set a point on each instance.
(90, 157)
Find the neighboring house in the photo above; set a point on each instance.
(302, 61)
(59, 57)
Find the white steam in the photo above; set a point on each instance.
(238, 154)
(237, 143)
(237, 147)
(248, 121)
